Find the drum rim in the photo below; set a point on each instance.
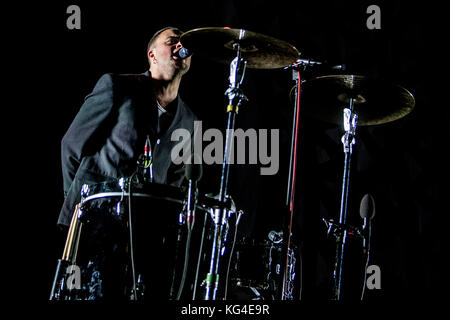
(123, 194)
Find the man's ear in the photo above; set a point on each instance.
(151, 56)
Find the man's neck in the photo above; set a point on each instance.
(166, 91)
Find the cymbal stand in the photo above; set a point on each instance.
(235, 98)
(287, 277)
(286, 288)
(348, 140)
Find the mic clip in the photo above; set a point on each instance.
(338, 229)
(303, 64)
(144, 169)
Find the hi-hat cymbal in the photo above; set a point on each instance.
(220, 45)
(375, 101)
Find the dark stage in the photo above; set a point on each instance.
(402, 164)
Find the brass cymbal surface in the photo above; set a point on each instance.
(258, 50)
(374, 101)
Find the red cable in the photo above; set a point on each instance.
(291, 204)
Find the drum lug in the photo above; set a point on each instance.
(84, 191)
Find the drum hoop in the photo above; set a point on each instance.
(123, 194)
(102, 195)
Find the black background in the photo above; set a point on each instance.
(402, 164)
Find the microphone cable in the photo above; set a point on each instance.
(197, 270)
(187, 249)
(130, 228)
(365, 275)
(186, 263)
(240, 212)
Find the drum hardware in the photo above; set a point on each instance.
(193, 174)
(303, 64)
(213, 213)
(367, 102)
(94, 286)
(276, 238)
(297, 67)
(290, 193)
(288, 274)
(138, 292)
(240, 49)
(256, 266)
(237, 71)
(337, 230)
(348, 140)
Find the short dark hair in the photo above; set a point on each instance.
(157, 33)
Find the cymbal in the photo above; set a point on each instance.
(374, 101)
(220, 45)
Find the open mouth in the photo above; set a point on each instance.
(175, 55)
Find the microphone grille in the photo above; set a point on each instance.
(367, 207)
(184, 53)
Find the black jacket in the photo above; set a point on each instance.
(108, 134)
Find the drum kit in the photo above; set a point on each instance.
(110, 253)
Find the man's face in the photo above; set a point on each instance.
(164, 64)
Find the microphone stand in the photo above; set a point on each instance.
(235, 98)
(297, 67)
(286, 289)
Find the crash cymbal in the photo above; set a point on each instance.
(375, 101)
(220, 45)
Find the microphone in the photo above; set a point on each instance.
(148, 160)
(304, 63)
(193, 173)
(367, 212)
(183, 53)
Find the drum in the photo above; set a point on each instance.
(131, 241)
(250, 264)
(256, 268)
